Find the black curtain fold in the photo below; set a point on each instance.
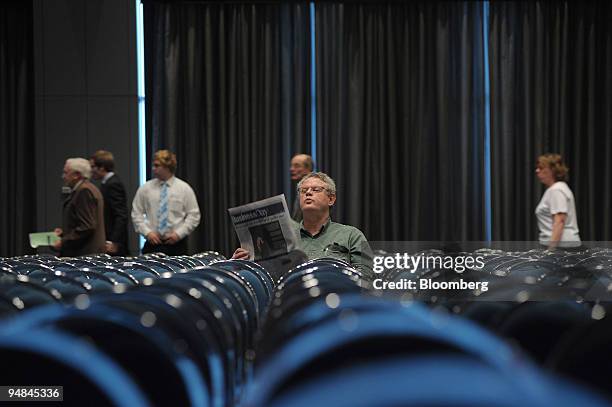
(551, 91)
(228, 91)
(400, 117)
(18, 192)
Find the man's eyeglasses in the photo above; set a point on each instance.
(316, 190)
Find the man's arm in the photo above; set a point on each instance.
(360, 253)
(192, 214)
(138, 213)
(85, 214)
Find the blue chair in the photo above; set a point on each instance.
(442, 380)
(137, 270)
(538, 326)
(67, 286)
(88, 376)
(243, 265)
(348, 334)
(207, 316)
(115, 274)
(27, 268)
(584, 354)
(315, 267)
(7, 271)
(159, 265)
(24, 293)
(260, 288)
(241, 290)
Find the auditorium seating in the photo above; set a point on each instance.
(181, 328)
(205, 331)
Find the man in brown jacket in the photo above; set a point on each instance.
(83, 215)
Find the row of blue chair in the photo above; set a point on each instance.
(328, 341)
(202, 330)
(170, 330)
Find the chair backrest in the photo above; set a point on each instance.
(69, 360)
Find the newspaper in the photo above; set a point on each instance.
(264, 227)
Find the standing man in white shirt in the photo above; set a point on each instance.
(165, 209)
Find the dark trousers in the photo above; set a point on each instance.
(122, 250)
(178, 249)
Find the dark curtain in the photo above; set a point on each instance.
(551, 91)
(400, 117)
(228, 91)
(18, 192)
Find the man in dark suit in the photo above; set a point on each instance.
(82, 229)
(301, 165)
(115, 202)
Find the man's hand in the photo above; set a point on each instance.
(171, 238)
(154, 238)
(111, 248)
(58, 245)
(241, 254)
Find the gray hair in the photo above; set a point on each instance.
(331, 185)
(80, 165)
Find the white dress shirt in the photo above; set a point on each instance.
(183, 209)
(107, 176)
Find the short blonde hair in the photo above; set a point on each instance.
(556, 164)
(166, 159)
(331, 185)
(80, 165)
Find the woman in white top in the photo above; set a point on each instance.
(556, 212)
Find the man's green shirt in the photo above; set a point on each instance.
(339, 241)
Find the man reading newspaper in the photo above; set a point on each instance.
(318, 235)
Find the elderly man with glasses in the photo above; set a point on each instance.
(319, 236)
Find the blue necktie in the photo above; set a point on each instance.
(162, 213)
